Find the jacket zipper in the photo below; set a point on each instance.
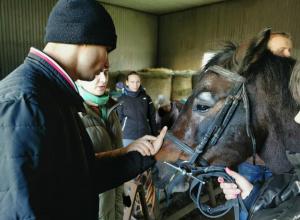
(124, 124)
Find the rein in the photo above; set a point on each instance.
(201, 174)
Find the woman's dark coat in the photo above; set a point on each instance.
(137, 115)
(279, 197)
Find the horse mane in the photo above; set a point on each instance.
(275, 74)
(295, 82)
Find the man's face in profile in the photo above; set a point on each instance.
(280, 45)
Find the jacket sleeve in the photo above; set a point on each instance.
(120, 111)
(249, 200)
(21, 141)
(114, 169)
(151, 117)
(119, 205)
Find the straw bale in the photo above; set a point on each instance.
(157, 81)
(182, 84)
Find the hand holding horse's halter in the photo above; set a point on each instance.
(200, 174)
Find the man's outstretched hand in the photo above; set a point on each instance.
(147, 145)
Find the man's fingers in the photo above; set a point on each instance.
(148, 138)
(162, 133)
(143, 149)
(146, 146)
(160, 138)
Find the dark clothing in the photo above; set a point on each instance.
(167, 118)
(136, 114)
(115, 94)
(48, 169)
(279, 197)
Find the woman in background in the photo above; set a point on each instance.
(167, 112)
(136, 111)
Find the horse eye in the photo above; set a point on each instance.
(202, 108)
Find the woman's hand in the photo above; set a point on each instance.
(231, 190)
(147, 145)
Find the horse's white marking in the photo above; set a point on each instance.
(205, 96)
(188, 133)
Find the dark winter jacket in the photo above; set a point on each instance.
(136, 114)
(48, 169)
(167, 118)
(279, 197)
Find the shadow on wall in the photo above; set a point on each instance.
(176, 85)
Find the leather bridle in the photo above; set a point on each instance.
(200, 174)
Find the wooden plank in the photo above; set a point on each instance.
(136, 188)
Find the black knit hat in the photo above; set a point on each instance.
(80, 22)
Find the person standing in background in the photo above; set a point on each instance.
(115, 94)
(136, 112)
(167, 112)
(280, 44)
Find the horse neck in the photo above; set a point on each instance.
(276, 121)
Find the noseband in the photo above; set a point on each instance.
(201, 174)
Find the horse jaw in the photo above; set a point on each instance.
(162, 174)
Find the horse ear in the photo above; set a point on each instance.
(256, 48)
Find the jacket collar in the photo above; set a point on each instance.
(61, 85)
(130, 93)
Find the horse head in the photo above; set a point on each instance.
(264, 111)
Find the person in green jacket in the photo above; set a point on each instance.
(104, 129)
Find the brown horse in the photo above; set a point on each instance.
(271, 107)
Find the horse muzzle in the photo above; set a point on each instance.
(170, 179)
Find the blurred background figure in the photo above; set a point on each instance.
(115, 94)
(167, 112)
(179, 104)
(280, 44)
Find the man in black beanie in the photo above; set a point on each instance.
(48, 169)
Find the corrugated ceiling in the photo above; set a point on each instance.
(160, 7)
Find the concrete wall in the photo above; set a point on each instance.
(22, 25)
(185, 36)
(137, 39)
(175, 41)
